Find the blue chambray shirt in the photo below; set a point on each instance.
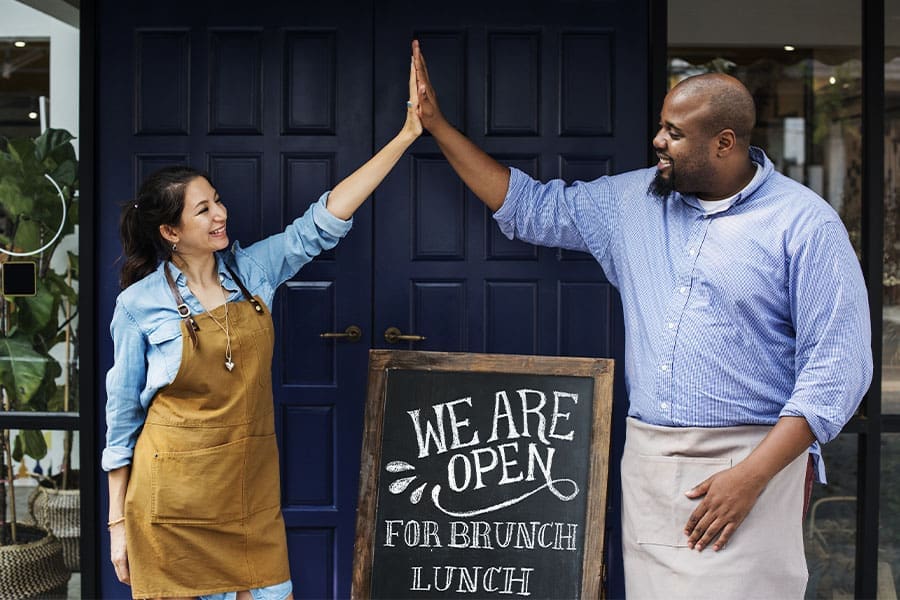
(734, 318)
(146, 327)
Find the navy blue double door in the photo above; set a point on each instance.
(279, 101)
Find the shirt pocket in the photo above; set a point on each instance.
(166, 342)
(661, 482)
(198, 486)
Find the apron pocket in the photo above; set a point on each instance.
(660, 483)
(263, 481)
(198, 486)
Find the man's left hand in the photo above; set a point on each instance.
(727, 498)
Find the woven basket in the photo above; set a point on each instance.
(34, 567)
(60, 512)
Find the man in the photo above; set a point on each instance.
(747, 335)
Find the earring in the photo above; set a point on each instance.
(174, 247)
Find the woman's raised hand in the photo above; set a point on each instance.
(350, 193)
(412, 126)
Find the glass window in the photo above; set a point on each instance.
(808, 111)
(39, 363)
(889, 520)
(38, 499)
(890, 369)
(24, 85)
(802, 61)
(830, 525)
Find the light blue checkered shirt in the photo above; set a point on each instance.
(733, 318)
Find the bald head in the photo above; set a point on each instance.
(729, 103)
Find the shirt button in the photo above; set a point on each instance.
(691, 252)
(671, 325)
(664, 367)
(664, 405)
(683, 289)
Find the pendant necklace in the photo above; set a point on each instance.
(227, 329)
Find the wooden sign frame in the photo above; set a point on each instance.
(382, 361)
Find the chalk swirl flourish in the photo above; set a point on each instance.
(400, 485)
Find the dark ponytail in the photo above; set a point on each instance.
(160, 201)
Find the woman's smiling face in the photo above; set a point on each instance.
(202, 226)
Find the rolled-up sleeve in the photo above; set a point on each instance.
(829, 305)
(576, 217)
(283, 254)
(124, 382)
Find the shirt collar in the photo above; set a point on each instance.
(759, 157)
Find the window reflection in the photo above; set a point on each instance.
(829, 529)
(808, 103)
(36, 500)
(889, 520)
(890, 383)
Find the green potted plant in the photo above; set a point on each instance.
(36, 213)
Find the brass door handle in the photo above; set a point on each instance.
(394, 335)
(351, 334)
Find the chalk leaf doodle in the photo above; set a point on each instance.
(399, 486)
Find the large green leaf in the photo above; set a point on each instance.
(37, 312)
(15, 201)
(28, 236)
(65, 174)
(30, 442)
(57, 284)
(44, 396)
(52, 143)
(47, 207)
(57, 402)
(18, 451)
(22, 369)
(22, 151)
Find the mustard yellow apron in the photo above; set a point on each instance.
(202, 508)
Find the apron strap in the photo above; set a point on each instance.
(252, 299)
(183, 309)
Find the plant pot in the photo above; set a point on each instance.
(34, 566)
(59, 511)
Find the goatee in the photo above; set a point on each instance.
(662, 186)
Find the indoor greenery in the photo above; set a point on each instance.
(35, 328)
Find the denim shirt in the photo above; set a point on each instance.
(736, 317)
(146, 326)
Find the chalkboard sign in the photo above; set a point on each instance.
(483, 476)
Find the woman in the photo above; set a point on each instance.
(191, 452)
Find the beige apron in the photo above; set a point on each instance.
(202, 508)
(763, 559)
